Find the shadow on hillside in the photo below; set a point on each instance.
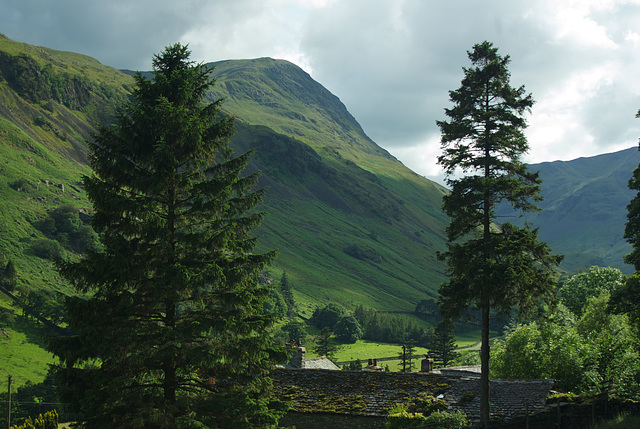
(35, 331)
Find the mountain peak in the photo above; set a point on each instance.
(282, 96)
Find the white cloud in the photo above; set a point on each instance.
(572, 20)
(557, 118)
(632, 37)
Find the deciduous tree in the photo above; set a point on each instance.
(171, 331)
(547, 350)
(348, 330)
(490, 265)
(327, 316)
(576, 291)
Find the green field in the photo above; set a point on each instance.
(364, 350)
(22, 354)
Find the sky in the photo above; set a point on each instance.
(391, 62)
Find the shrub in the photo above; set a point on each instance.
(47, 249)
(22, 185)
(48, 420)
(445, 419)
(7, 317)
(402, 419)
(64, 225)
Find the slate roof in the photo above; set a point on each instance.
(300, 361)
(459, 371)
(372, 393)
(319, 363)
(367, 393)
(509, 398)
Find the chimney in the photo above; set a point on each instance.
(426, 364)
(297, 358)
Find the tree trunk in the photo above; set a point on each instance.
(170, 381)
(484, 361)
(485, 403)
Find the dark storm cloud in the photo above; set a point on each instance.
(122, 34)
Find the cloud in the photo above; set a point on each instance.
(119, 33)
(568, 54)
(392, 62)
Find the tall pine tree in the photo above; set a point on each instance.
(169, 332)
(490, 266)
(626, 298)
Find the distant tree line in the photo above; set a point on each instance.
(390, 328)
(369, 324)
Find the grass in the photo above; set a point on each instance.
(622, 421)
(364, 350)
(467, 339)
(22, 354)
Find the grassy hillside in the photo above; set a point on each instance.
(33, 179)
(50, 102)
(343, 234)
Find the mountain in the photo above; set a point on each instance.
(585, 207)
(351, 223)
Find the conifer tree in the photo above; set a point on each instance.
(170, 331)
(490, 265)
(443, 344)
(632, 228)
(626, 298)
(324, 343)
(9, 277)
(287, 294)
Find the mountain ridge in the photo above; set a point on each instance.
(584, 208)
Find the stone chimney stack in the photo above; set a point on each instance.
(297, 358)
(426, 364)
